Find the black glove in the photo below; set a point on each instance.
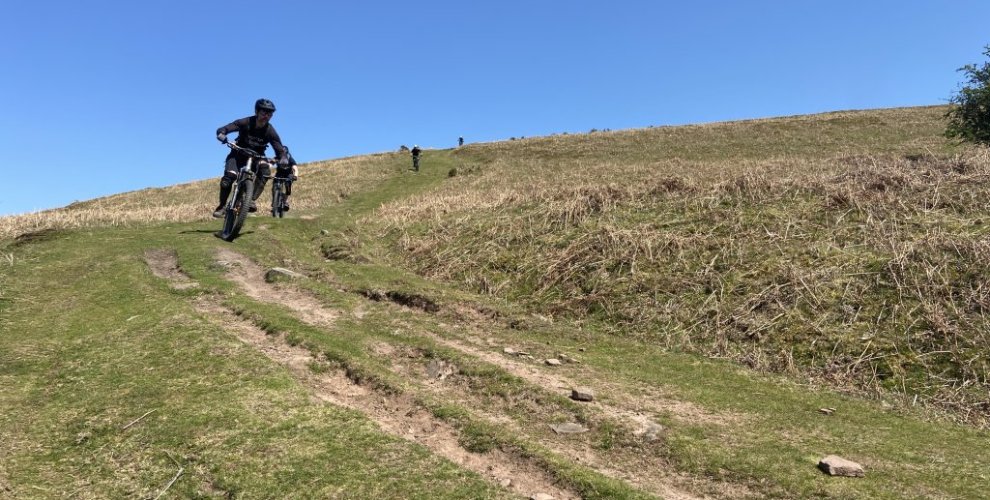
(222, 137)
(284, 162)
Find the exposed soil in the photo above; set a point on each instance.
(164, 263)
(399, 416)
(251, 279)
(396, 415)
(652, 474)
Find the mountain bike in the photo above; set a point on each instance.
(280, 186)
(236, 210)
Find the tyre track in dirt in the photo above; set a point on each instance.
(651, 474)
(396, 415)
(646, 471)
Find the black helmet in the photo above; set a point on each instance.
(264, 104)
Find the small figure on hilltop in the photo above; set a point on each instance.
(460, 141)
(415, 157)
(288, 170)
(253, 132)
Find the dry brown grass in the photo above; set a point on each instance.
(854, 255)
(321, 184)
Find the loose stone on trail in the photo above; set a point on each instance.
(276, 273)
(582, 394)
(439, 369)
(553, 362)
(834, 465)
(649, 432)
(568, 428)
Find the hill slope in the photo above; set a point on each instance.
(714, 286)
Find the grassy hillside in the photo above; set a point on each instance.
(716, 286)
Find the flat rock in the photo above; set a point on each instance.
(582, 394)
(650, 431)
(439, 369)
(568, 428)
(553, 362)
(276, 273)
(834, 465)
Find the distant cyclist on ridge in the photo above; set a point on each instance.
(256, 133)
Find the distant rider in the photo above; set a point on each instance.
(290, 171)
(415, 155)
(255, 133)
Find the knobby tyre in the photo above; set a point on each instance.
(240, 210)
(230, 214)
(278, 199)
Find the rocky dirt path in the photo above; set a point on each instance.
(647, 471)
(396, 415)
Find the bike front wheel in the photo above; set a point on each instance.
(278, 199)
(237, 211)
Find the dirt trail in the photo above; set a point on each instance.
(165, 264)
(395, 415)
(652, 476)
(251, 279)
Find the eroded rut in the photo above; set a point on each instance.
(649, 473)
(396, 415)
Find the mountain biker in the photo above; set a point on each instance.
(256, 133)
(415, 156)
(291, 171)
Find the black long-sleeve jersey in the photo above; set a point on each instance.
(251, 136)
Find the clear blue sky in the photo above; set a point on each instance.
(101, 97)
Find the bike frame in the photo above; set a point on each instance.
(234, 213)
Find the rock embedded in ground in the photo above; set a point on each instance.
(834, 465)
(277, 273)
(568, 428)
(650, 431)
(553, 362)
(582, 394)
(439, 369)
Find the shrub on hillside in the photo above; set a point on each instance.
(969, 117)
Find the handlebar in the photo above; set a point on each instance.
(250, 152)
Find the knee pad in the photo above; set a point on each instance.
(228, 179)
(264, 169)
